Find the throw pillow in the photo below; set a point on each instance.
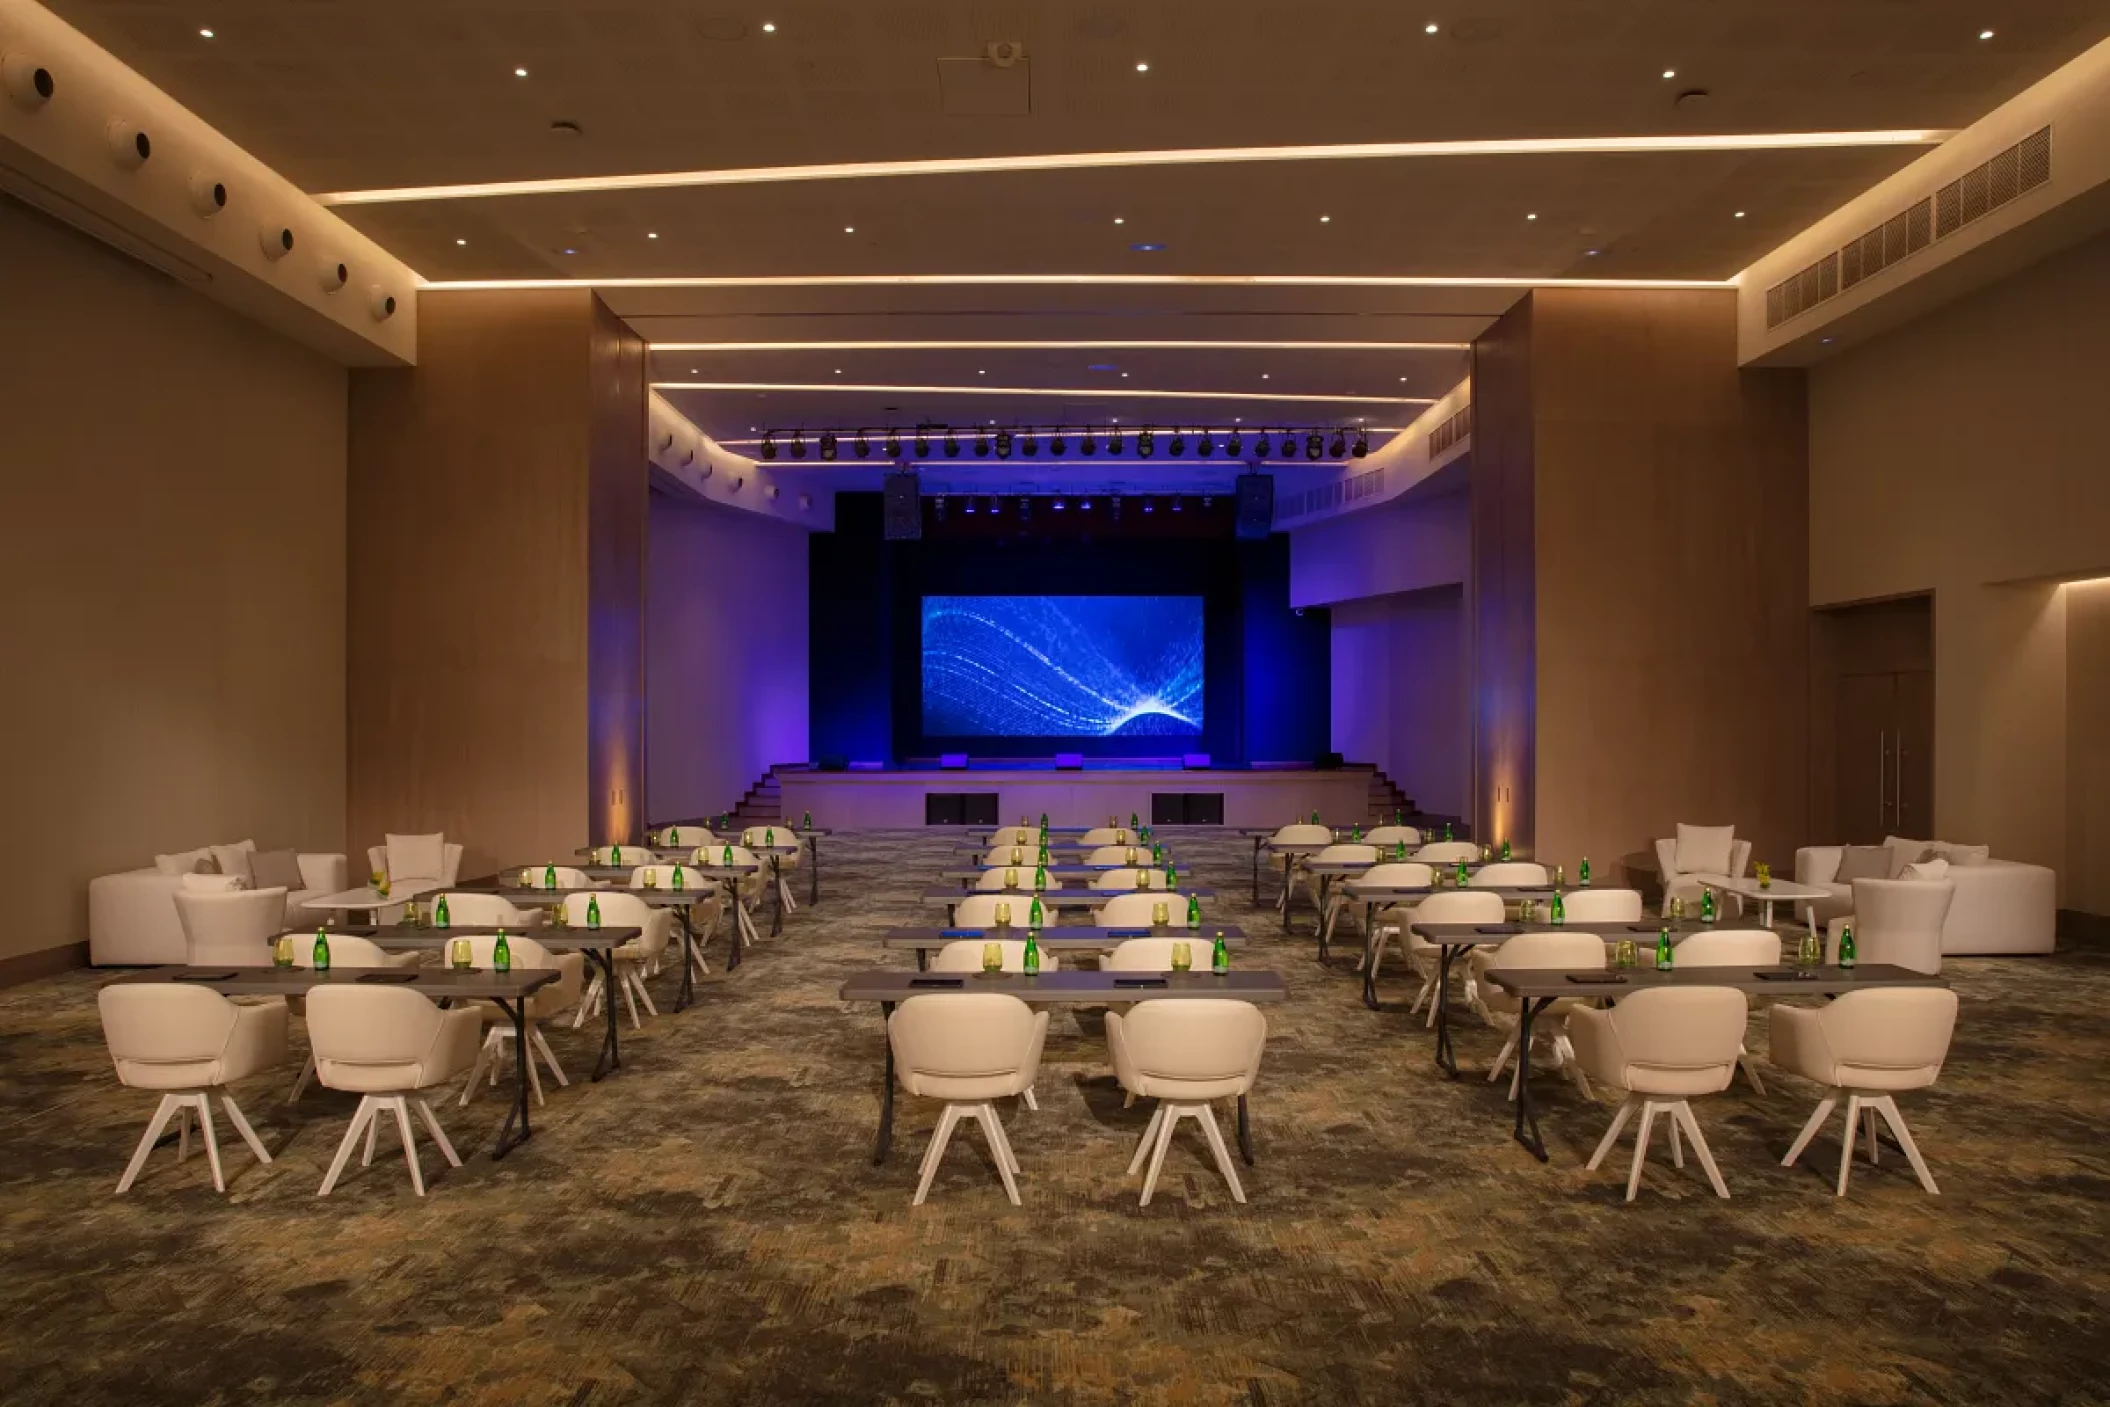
(1927, 869)
(276, 869)
(1704, 849)
(234, 859)
(417, 857)
(212, 883)
(1906, 852)
(1863, 862)
(1964, 854)
(183, 861)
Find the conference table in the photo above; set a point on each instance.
(508, 990)
(968, 875)
(1071, 988)
(1077, 939)
(668, 854)
(1538, 988)
(1056, 898)
(726, 876)
(1375, 896)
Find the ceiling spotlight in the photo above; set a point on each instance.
(849, 229)
(1146, 443)
(1313, 445)
(981, 444)
(1362, 444)
(520, 73)
(1670, 73)
(1086, 443)
(1055, 441)
(1084, 505)
(1058, 505)
(863, 446)
(651, 234)
(1982, 34)
(1326, 219)
(952, 445)
(1203, 445)
(461, 243)
(1428, 29)
(769, 445)
(828, 444)
(1260, 446)
(1265, 375)
(768, 28)
(1179, 444)
(1339, 448)
(1026, 444)
(1003, 444)
(1235, 445)
(207, 34)
(1113, 442)
(893, 445)
(798, 444)
(1739, 214)
(1142, 68)
(1532, 216)
(922, 445)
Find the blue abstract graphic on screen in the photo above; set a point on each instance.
(1062, 666)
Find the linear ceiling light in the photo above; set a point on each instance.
(1082, 280)
(1188, 156)
(1100, 392)
(908, 346)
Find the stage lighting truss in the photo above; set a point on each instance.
(798, 444)
(981, 445)
(1003, 444)
(1339, 442)
(1146, 443)
(828, 445)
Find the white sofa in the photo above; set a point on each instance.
(2001, 906)
(132, 916)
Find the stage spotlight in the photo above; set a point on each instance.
(893, 445)
(1113, 442)
(1179, 444)
(1003, 444)
(941, 508)
(798, 444)
(1313, 445)
(863, 446)
(1261, 448)
(922, 445)
(1117, 507)
(1085, 506)
(1205, 446)
(1235, 445)
(952, 445)
(828, 443)
(968, 504)
(1089, 445)
(1339, 448)
(996, 506)
(1362, 444)
(1146, 444)
(1150, 505)
(1025, 510)
(981, 445)
(1027, 445)
(1055, 441)
(769, 446)
(1057, 505)
(1176, 505)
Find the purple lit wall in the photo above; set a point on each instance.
(725, 655)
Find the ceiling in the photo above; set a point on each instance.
(343, 95)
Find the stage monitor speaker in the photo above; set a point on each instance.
(904, 508)
(1256, 505)
(1329, 762)
(1069, 761)
(833, 762)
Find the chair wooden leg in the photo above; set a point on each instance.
(1509, 1047)
(410, 1146)
(533, 1075)
(360, 1122)
(1682, 1113)
(588, 1004)
(549, 1056)
(241, 1126)
(1816, 1120)
(1031, 1102)
(936, 1152)
(1888, 1105)
(1148, 1140)
(1868, 1129)
(1172, 1114)
(630, 1000)
(373, 1129)
(986, 1113)
(1749, 1066)
(182, 1129)
(1648, 1120)
(1611, 1135)
(212, 1143)
(644, 993)
(1846, 1142)
(160, 1121)
(439, 1135)
(1677, 1148)
(484, 1059)
(300, 1086)
(1215, 1135)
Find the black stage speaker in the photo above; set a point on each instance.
(1329, 762)
(833, 762)
(1256, 505)
(904, 507)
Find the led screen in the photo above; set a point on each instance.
(1062, 666)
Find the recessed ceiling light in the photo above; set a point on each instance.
(849, 229)
(1148, 248)
(207, 34)
(520, 73)
(1591, 252)
(1124, 376)
(571, 251)
(1326, 219)
(1739, 214)
(978, 371)
(1827, 341)
(694, 372)
(1402, 378)
(1982, 34)
(1142, 68)
(838, 371)
(768, 28)
(1670, 73)
(1428, 29)
(1532, 216)
(1265, 375)
(651, 234)
(461, 241)
(1119, 221)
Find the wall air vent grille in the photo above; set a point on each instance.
(2022, 167)
(1453, 431)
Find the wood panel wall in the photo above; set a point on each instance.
(1503, 586)
(485, 485)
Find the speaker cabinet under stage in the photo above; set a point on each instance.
(904, 508)
(1256, 506)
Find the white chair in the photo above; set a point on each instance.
(548, 1002)
(785, 864)
(1151, 955)
(1125, 878)
(1894, 921)
(632, 959)
(488, 911)
(1185, 1054)
(703, 914)
(1138, 910)
(620, 855)
(346, 950)
(1732, 947)
(1008, 836)
(1017, 857)
(965, 955)
(1582, 906)
(1348, 854)
(1556, 949)
(190, 1044)
(979, 911)
(1449, 906)
(675, 836)
(1388, 839)
(1391, 920)
(1299, 833)
(1107, 835)
(1447, 852)
(1867, 1045)
(568, 876)
(968, 1049)
(747, 892)
(450, 869)
(1662, 1046)
(388, 1045)
(235, 927)
(1132, 855)
(1697, 857)
(1507, 874)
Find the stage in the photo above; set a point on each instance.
(870, 799)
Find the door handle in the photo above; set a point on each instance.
(1897, 784)
(1882, 767)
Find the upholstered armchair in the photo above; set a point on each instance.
(1698, 856)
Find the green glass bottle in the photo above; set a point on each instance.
(322, 951)
(1157, 854)
(1846, 946)
(1133, 823)
(1446, 830)
(728, 860)
(1040, 879)
(1663, 950)
(1043, 858)
(1315, 818)
(549, 876)
(1033, 915)
(593, 911)
(1399, 817)
(1172, 877)
(1356, 833)
(1505, 851)
(673, 835)
(1707, 906)
(805, 821)
(1463, 877)
(1582, 873)
(1031, 960)
(439, 913)
(1194, 914)
(679, 882)
(1043, 823)
(1560, 909)
(769, 838)
(615, 854)
(501, 954)
(1220, 955)
(1399, 851)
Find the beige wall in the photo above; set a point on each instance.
(172, 590)
(2088, 746)
(1963, 455)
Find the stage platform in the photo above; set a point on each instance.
(990, 794)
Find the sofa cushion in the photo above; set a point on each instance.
(1931, 868)
(1863, 862)
(197, 861)
(1704, 849)
(234, 859)
(1905, 852)
(276, 869)
(212, 883)
(416, 857)
(1962, 854)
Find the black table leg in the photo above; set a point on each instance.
(1445, 1056)
(1527, 1118)
(922, 959)
(1289, 891)
(1245, 1133)
(1370, 952)
(1325, 887)
(776, 886)
(1258, 841)
(886, 1093)
(507, 1140)
(732, 917)
(813, 893)
(684, 998)
(611, 1051)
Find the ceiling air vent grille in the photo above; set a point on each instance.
(2022, 167)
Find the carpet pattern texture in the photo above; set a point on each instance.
(706, 1224)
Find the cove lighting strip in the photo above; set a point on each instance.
(1099, 160)
(1091, 346)
(1097, 429)
(1096, 393)
(1094, 280)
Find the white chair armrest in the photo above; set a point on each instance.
(329, 873)
(1739, 858)
(1666, 860)
(1818, 864)
(132, 919)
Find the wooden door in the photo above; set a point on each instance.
(1912, 755)
(1862, 723)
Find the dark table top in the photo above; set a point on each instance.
(1095, 987)
(1059, 937)
(1388, 893)
(1552, 982)
(1062, 871)
(406, 939)
(434, 982)
(1465, 935)
(1073, 897)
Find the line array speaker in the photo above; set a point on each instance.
(904, 507)
(1256, 505)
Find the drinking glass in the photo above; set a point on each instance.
(1626, 954)
(1182, 957)
(1765, 876)
(282, 951)
(562, 916)
(1131, 854)
(1677, 909)
(413, 917)
(1528, 911)
(992, 958)
(1018, 856)
(527, 878)
(1003, 915)
(1010, 879)
(1812, 951)
(1159, 915)
(458, 951)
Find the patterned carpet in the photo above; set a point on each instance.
(706, 1226)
